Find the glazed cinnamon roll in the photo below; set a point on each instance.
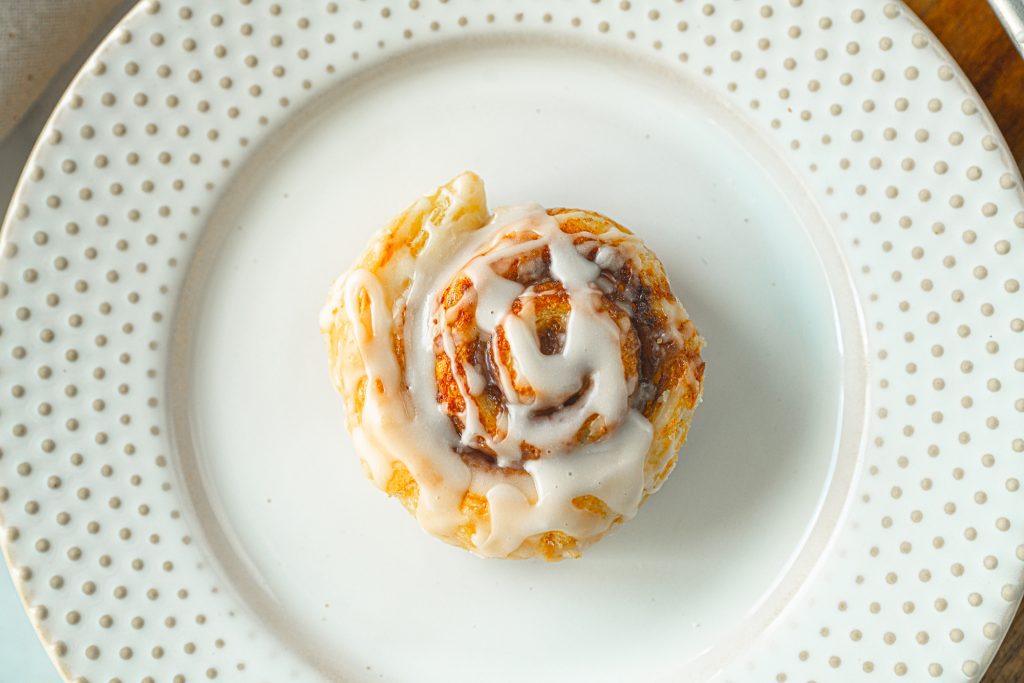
(520, 380)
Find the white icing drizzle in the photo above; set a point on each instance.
(401, 420)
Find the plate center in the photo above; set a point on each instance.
(343, 573)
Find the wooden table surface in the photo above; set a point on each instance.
(973, 35)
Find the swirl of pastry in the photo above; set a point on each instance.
(522, 380)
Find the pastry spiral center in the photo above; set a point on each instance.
(533, 354)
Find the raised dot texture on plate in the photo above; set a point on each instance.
(890, 144)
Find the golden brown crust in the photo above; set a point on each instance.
(660, 350)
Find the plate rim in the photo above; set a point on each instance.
(135, 14)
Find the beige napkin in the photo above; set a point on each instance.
(36, 38)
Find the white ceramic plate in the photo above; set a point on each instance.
(831, 200)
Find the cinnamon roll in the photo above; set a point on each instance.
(520, 380)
